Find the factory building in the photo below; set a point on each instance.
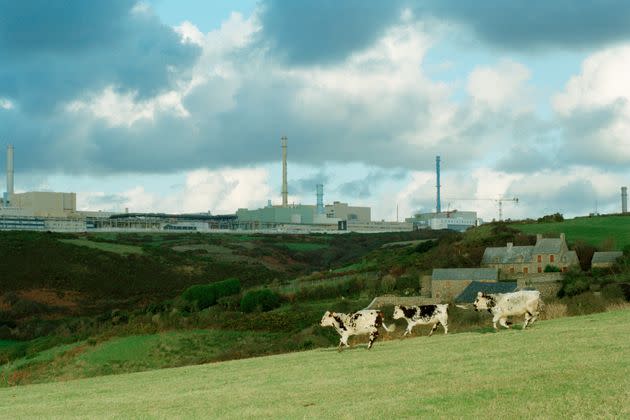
(45, 204)
(452, 220)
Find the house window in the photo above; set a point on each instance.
(511, 269)
(525, 270)
(564, 269)
(552, 258)
(539, 269)
(540, 258)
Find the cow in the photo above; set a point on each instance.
(366, 321)
(503, 305)
(423, 315)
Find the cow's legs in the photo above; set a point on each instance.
(528, 318)
(373, 336)
(445, 326)
(503, 322)
(495, 319)
(343, 341)
(409, 327)
(433, 329)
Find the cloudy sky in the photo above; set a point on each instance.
(179, 105)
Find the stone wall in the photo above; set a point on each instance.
(547, 283)
(388, 300)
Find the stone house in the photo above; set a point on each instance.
(448, 283)
(531, 258)
(605, 259)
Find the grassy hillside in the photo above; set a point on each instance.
(569, 367)
(600, 231)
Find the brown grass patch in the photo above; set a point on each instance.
(65, 299)
(554, 310)
(619, 306)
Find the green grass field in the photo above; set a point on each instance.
(571, 367)
(105, 246)
(592, 230)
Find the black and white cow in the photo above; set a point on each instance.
(423, 315)
(503, 305)
(362, 322)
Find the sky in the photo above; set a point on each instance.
(179, 105)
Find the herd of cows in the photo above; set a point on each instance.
(500, 305)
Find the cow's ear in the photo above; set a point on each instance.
(479, 294)
(332, 314)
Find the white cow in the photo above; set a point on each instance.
(362, 322)
(423, 315)
(503, 305)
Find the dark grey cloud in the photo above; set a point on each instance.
(586, 136)
(318, 32)
(537, 24)
(362, 188)
(54, 51)
(307, 186)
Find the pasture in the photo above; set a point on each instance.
(568, 367)
(595, 231)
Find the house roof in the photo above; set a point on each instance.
(470, 292)
(548, 246)
(488, 274)
(606, 257)
(507, 255)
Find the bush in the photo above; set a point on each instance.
(206, 295)
(407, 283)
(584, 304)
(263, 300)
(551, 269)
(388, 283)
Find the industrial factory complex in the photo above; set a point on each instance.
(57, 212)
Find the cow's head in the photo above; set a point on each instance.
(398, 312)
(483, 302)
(328, 320)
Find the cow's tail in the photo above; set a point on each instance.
(381, 318)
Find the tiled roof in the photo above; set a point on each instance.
(606, 257)
(548, 246)
(505, 255)
(470, 293)
(490, 274)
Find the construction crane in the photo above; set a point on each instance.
(499, 201)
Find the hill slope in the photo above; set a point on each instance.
(570, 367)
(591, 230)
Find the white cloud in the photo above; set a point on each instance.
(6, 104)
(501, 87)
(595, 108)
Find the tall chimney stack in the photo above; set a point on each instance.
(320, 198)
(285, 190)
(10, 171)
(624, 200)
(438, 206)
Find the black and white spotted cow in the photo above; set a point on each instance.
(423, 315)
(503, 305)
(362, 322)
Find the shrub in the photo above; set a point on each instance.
(206, 295)
(584, 304)
(263, 300)
(407, 283)
(551, 269)
(388, 283)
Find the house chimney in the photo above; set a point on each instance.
(562, 237)
(509, 246)
(538, 237)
